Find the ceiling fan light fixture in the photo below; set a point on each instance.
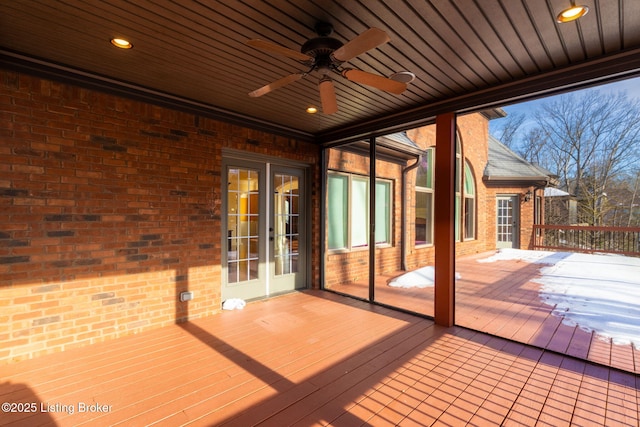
(572, 13)
(121, 43)
(403, 76)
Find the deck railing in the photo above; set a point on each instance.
(617, 240)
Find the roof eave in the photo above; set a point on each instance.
(517, 180)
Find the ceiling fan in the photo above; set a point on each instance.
(326, 55)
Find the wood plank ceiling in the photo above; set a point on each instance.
(466, 54)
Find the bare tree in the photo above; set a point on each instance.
(623, 200)
(509, 128)
(588, 139)
(532, 147)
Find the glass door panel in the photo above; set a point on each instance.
(287, 230)
(286, 214)
(346, 257)
(244, 233)
(242, 225)
(507, 222)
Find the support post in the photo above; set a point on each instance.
(444, 218)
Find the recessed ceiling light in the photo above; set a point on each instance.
(572, 13)
(121, 43)
(312, 110)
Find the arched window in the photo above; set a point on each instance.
(469, 217)
(465, 199)
(465, 187)
(424, 200)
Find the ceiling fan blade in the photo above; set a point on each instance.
(374, 80)
(276, 85)
(281, 50)
(328, 96)
(368, 40)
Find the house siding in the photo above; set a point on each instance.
(110, 208)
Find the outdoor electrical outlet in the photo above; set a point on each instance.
(186, 296)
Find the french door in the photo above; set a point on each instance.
(265, 238)
(508, 222)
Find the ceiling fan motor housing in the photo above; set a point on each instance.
(320, 46)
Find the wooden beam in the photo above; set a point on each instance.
(444, 217)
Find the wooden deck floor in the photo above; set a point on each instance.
(315, 358)
(501, 299)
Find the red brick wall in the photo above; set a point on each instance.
(473, 131)
(109, 209)
(474, 135)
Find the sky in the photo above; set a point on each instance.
(597, 292)
(630, 86)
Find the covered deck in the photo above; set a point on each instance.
(316, 358)
(501, 298)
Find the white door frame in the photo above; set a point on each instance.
(261, 286)
(507, 221)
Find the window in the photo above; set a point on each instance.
(465, 208)
(383, 212)
(424, 200)
(348, 211)
(469, 218)
(465, 199)
(337, 212)
(359, 212)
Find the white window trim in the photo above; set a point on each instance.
(466, 197)
(349, 247)
(420, 189)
